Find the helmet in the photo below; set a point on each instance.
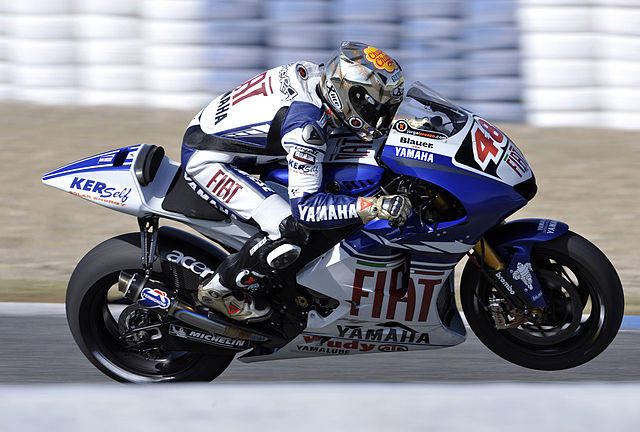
(363, 87)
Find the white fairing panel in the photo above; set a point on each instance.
(375, 313)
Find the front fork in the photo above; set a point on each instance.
(491, 258)
(516, 310)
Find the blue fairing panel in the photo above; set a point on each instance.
(487, 201)
(516, 240)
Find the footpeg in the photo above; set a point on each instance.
(233, 304)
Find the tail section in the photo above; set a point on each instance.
(119, 179)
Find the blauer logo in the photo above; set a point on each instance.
(104, 190)
(154, 298)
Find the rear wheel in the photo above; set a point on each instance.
(93, 310)
(585, 305)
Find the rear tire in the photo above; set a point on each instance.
(91, 314)
(584, 312)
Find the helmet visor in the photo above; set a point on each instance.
(373, 113)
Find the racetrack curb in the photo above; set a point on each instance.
(629, 322)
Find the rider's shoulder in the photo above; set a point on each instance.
(304, 77)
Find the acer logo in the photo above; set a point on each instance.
(189, 263)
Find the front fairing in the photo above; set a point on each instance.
(433, 130)
(434, 140)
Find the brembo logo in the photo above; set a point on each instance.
(189, 263)
(505, 283)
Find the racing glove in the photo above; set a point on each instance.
(394, 208)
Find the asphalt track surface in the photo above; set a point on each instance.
(41, 350)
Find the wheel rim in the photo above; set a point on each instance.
(102, 337)
(575, 310)
(560, 319)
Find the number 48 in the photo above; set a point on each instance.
(487, 142)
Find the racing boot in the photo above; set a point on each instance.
(234, 304)
(234, 289)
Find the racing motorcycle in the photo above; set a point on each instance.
(534, 292)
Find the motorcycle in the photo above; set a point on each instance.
(534, 292)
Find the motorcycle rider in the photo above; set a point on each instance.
(287, 113)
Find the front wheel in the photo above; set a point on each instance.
(93, 307)
(585, 305)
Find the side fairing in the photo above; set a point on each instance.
(487, 151)
(377, 311)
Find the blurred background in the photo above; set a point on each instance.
(544, 62)
(78, 77)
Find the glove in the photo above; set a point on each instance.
(394, 208)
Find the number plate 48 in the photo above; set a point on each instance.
(488, 143)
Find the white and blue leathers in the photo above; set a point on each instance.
(274, 117)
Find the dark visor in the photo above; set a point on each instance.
(371, 113)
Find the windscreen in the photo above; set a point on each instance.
(424, 109)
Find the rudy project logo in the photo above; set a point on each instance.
(379, 59)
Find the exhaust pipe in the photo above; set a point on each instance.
(134, 287)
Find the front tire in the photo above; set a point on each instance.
(583, 315)
(92, 318)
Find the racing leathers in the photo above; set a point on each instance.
(275, 116)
